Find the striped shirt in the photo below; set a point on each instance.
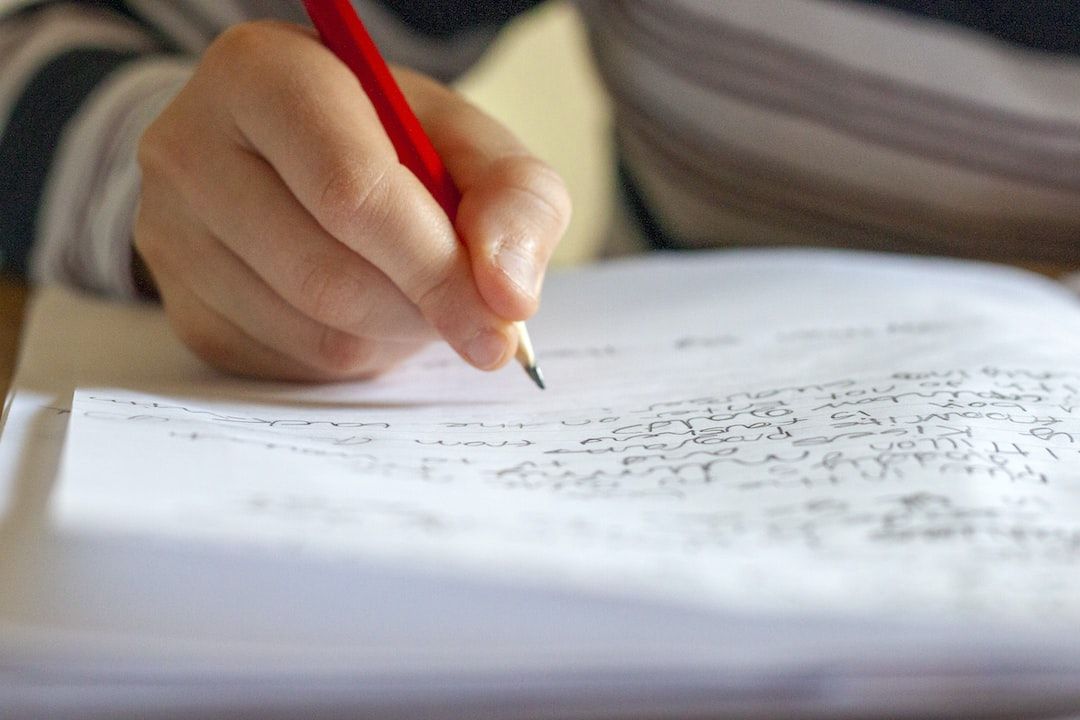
(908, 125)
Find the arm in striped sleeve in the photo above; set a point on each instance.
(78, 83)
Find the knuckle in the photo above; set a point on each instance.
(328, 293)
(541, 186)
(159, 152)
(169, 151)
(339, 353)
(431, 295)
(252, 59)
(246, 39)
(354, 195)
(247, 59)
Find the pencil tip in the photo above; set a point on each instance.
(536, 375)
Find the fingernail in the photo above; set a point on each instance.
(520, 266)
(486, 349)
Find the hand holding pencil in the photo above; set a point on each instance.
(343, 32)
(287, 240)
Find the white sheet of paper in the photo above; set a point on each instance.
(785, 434)
(911, 548)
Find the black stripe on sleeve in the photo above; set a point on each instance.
(443, 19)
(1049, 25)
(655, 235)
(48, 102)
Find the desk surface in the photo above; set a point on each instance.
(12, 303)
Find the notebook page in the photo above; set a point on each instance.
(789, 433)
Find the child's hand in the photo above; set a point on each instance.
(288, 242)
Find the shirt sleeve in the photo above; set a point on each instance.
(79, 82)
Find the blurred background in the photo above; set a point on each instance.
(538, 79)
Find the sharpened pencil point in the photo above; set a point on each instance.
(536, 375)
(527, 357)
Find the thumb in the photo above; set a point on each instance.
(514, 208)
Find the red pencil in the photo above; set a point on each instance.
(345, 35)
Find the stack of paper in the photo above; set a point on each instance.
(760, 484)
